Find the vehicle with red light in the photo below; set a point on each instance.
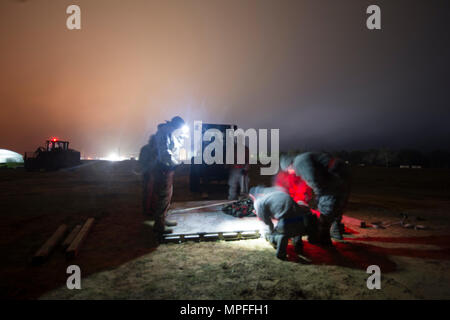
(54, 156)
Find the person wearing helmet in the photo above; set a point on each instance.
(158, 160)
(329, 178)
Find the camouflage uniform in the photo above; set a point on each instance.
(158, 162)
(330, 180)
(293, 220)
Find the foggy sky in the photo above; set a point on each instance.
(310, 68)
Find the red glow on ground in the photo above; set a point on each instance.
(347, 230)
(358, 255)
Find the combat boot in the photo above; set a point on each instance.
(160, 229)
(271, 239)
(335, 230)
(171, 223)
(324, 232)
(282, 242)
(298, 244)
(312, 229)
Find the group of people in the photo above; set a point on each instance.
(308, 195)
(305, 181)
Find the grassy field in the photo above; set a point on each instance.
(120, 259)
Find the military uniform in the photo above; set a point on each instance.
(329, 178)
(238, 180)
(293, 220)
(158, 160)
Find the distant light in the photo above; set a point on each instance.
(54, 139)
(113, 157)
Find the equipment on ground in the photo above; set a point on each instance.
(74, 248)
(43, 253)
(205, 221)
(71, 244)
(54, 156)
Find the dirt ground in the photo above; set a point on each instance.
(120, 259)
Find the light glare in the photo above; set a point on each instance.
(113, 157)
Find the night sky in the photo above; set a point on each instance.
(310, 68)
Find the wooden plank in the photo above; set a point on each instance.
(50, 244)
(75, 246)
(66, 243)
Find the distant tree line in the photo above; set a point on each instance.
(392, 158)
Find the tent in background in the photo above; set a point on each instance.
(10, 158)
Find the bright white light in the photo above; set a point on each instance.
(185, 129)
(113, 157)
(183, 154)
(240, 224)
(10, 156)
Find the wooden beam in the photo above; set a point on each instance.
(75, 246)
(66, 243)
(50, 244)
